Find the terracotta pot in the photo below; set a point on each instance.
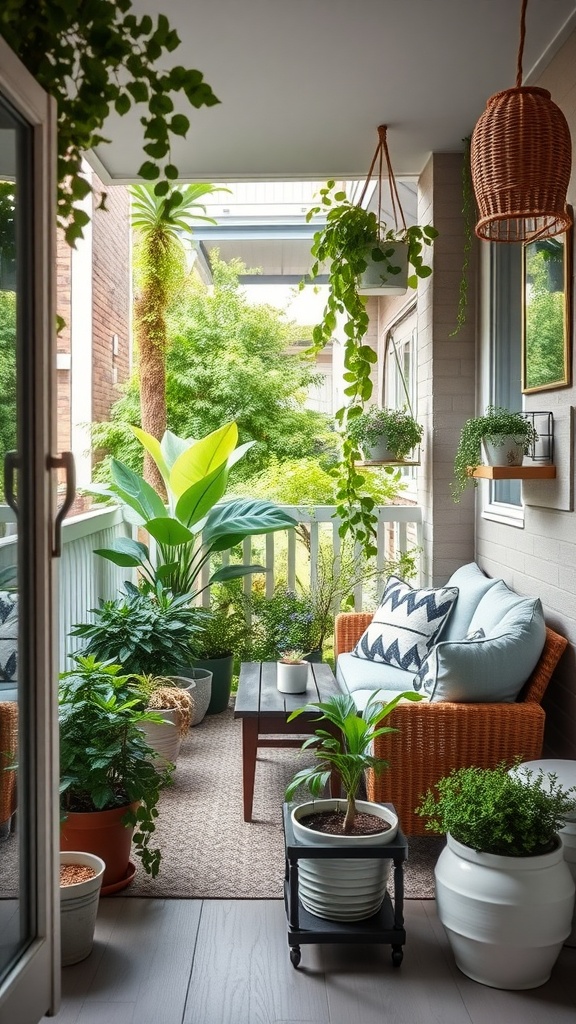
(101, 833)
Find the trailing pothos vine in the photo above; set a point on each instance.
(95, 57)
(349, 234)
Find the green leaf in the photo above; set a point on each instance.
(179, 124)
(202, 457)
(235, 520)
(148, 171)
(234, 572)
(136, 492)
(169, 531)
(125, 552)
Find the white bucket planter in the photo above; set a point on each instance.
(164, 737)
(379, 452)
(506, 917)
(377, 279)
(505, 450)
(198, 682)
(292, 678)
(79, 907)
(343, 889)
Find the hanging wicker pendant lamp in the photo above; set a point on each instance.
(521, 157)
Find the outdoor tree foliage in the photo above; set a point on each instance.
(227, 360)
(7, 374)
(544, 316)
(95, 57)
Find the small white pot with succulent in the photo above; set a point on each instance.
(292, 672)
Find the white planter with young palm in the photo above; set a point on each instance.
(343, 889)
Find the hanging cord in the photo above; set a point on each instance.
(521, 46)
(381, 154)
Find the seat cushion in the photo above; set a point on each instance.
(8, 641)
(492, 668)
(405, 624)
(361, 697)
(354, 673)
(472, 586)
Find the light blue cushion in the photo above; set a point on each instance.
(489, 669)
(496, 603)
(472, 586)
(9, 641)
(361, 697)
(356, 674)
(405, 624)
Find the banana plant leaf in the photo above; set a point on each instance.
(230, 523)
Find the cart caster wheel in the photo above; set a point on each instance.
(295, 955)
(397, 956)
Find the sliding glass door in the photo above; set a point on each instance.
(29, 911)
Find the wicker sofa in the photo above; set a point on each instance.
(434, 737)
(8, 747)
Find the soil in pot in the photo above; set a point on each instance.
(331, 823)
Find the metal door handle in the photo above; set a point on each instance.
(64, 461)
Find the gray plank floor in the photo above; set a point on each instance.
(226, 962)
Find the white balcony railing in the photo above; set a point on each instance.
(292, 556)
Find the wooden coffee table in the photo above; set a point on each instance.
(264, 712)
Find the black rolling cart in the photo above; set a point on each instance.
(386, 926)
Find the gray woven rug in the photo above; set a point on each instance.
(208, 850)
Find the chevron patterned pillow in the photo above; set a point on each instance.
(405, 624)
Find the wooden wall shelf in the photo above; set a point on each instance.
(513, 472)
(391, 462)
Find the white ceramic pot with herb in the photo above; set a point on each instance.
(80, 884)
(504, 892)
(175, 704)
(500, 436)
(385, 435)
(292, 672)
(347, 889)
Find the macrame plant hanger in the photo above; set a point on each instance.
(521, 155)
(382, 155)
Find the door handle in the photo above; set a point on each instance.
(64, 461)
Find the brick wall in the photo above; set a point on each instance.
(111, 297)
(63, 309)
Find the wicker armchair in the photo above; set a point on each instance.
(8, 747)
(435, 737)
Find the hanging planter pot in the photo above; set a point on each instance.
(388, 274)
(521, 156)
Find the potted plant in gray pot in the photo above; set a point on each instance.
(498, 438)
(385, 435)
(504, 892)
(331, 888)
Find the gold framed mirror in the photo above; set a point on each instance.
(546, 313)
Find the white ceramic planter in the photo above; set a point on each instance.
(164, 737)
(292, 678)
(379, 452)
(79, 907)
(506, 450)
(377, 280)
(506, 917)
(198, 682)
(343, 889)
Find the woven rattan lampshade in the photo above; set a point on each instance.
(521, 157)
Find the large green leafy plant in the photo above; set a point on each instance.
(105, 761)
(349, 753)
(342, 243)
(147, 633)
(491, 810)
(97, 58)
(195, 524)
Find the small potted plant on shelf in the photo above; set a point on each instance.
(502, 437)
(385, 435)
(110, 778)
(344, 748)
(502, 871)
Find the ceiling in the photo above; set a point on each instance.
(303, 84)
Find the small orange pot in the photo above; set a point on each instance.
(101, 833)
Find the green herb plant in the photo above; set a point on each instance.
(105, 761)
(96, 59)
(496, 423)
(342, 244)
(348, 752)
(493, 811)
